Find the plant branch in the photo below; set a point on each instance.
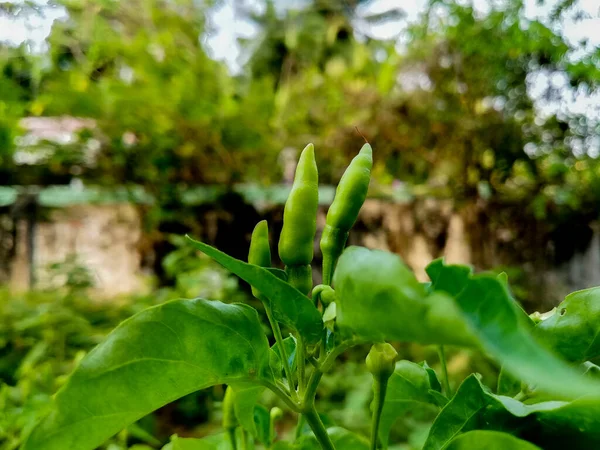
(300, 363)
(282, 353)
(445, 381)
(281, 394)
(316, 425)
(379, 390)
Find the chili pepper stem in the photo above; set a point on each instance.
(282, 353)
(379, 390)
(445, 381)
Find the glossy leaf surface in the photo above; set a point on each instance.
(218, 441)
(490, 440)
(505, 331)
(380, 299)
(550, 424)
(151, 359)
(289, 306)
(574, 328)
(409, 389)
(245, 399)
(448, 278)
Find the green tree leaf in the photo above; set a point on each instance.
(408, 390)
(151, 359)
(289, 306)
(574, 328)
(489, 440)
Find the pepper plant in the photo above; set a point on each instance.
(547, 396)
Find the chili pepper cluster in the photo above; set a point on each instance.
(300, 220)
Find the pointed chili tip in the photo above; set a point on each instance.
(260, 251)
(366, 150)
(261, 228)
(309, 150)
(306, 169)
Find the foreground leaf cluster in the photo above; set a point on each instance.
(548, 394)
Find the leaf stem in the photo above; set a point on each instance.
(300, 364)
(445, 381)
(281, 394)
(282, 353)
(308, 404)
(316, 425)
(379, 391)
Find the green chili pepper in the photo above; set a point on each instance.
(300, 222)
(350, 195)
(260, 250)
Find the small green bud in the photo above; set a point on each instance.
(260, 251)
(276, 414)
(381, 360)
(325, 293)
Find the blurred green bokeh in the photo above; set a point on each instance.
(472, 101)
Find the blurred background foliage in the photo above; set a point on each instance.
(474, 102)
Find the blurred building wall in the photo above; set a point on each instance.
(105, 240)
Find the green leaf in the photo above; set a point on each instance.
(281, 274)
(507, 384)
(451, 278)
(574, 328)
(457, 416)
(218, 441)
(408, 390)
(433, 378)
(262, 419)
(380, 299)
(489, 440)
(289, 306)
(151, 359)
(290, 349)
(575, 425)
(550, 424)
(502, 333)
(245, 399)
